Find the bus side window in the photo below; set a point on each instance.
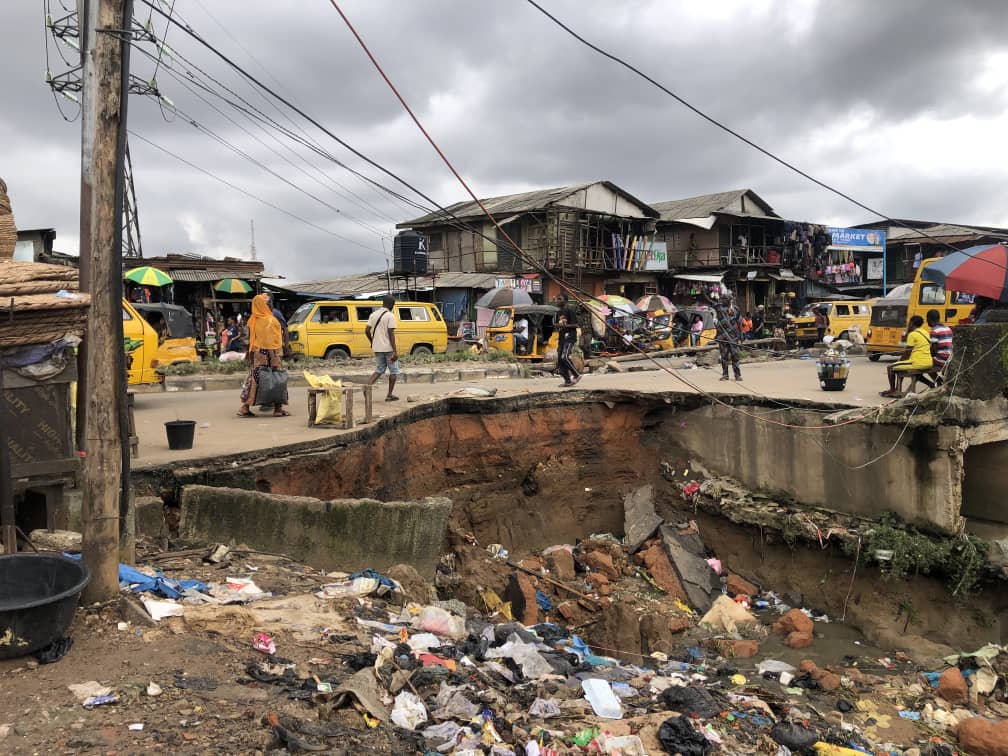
(931, 294)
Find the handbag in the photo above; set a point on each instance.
(271, 387)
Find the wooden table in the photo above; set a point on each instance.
(347, 399)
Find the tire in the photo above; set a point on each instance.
(422, 350)
(874, 357)
(337, 353)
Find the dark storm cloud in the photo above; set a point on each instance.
(853, 91)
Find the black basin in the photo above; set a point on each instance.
(38, 597)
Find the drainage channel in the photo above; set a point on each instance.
(533, 472)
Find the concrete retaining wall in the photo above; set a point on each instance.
(333, 535)
(916, 472)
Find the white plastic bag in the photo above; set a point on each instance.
(525, 654)
(408, 711)
(434, 619)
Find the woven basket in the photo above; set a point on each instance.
(8, 231)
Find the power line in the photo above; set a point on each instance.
(164, 41)
(713, 121)
(577, 292)
(237, 188)
(279, 111)
(209, 132)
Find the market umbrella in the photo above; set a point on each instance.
(654, 302)
(617, 303)
(232, 286)
(504, 298)
(979, 270)
(148, 275)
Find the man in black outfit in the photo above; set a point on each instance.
(568, 338)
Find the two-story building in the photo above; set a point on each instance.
(595, 236)
(733, 240)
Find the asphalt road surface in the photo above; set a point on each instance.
(219, 432)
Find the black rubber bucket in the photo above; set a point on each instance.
(38, 598)
(180, 433)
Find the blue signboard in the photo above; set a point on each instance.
(858, 239)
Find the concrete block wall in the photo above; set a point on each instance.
(344, 535)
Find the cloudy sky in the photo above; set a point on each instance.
(903, 104)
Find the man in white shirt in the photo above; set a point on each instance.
(380, 331)
(521, 336)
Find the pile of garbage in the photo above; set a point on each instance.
(642, 645)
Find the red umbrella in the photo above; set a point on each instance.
(979, 270)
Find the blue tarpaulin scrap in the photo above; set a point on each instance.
(142, 583)
(138, 582)
(543, 601)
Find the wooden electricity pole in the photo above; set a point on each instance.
(102, 24)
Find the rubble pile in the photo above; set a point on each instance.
(642, 645)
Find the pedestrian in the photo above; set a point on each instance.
(285, 349)
(568, 322)
(758, 322)
(265, 345)
(696, 330)
(747, 326)
(380, 331)
(821, 323)
(916, 357)
(729, 333)
(941, 347)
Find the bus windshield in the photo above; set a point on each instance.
(300, 314)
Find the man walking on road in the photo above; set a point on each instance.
(568, 338)
(729, 334)
(380, 331)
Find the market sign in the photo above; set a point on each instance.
(656, 258)
(857, 239)
(531, 285)
(874, 269)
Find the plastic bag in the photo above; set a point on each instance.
(793, 735)
(408, 711)
(677, 735)
(690, 700)
(434, 619)
(526, 655)
(725, 615)
(329, 406)
(271, 386)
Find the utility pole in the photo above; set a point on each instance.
(105, 29)
(252, 229)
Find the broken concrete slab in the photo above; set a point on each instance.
(343, 534)
(640, 519)
(694, 573)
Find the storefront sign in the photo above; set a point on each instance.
(873, 271)
(656, 258)
(531, 285)
(858, 239)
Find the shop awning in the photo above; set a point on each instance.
(784, 275)
(703, 277)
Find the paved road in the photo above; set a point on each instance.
(220, 433)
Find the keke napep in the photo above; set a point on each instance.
(161, 335)
(508, 324)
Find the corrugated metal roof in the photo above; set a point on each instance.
(516, 204)
(942, 231)
(706, 204)
(204, 276)
(369, 283)
(468, 280)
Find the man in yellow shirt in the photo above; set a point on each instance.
(916, 356)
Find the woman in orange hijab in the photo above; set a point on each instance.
(265, 350)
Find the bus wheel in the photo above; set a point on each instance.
(337, 353)
(874, 357)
